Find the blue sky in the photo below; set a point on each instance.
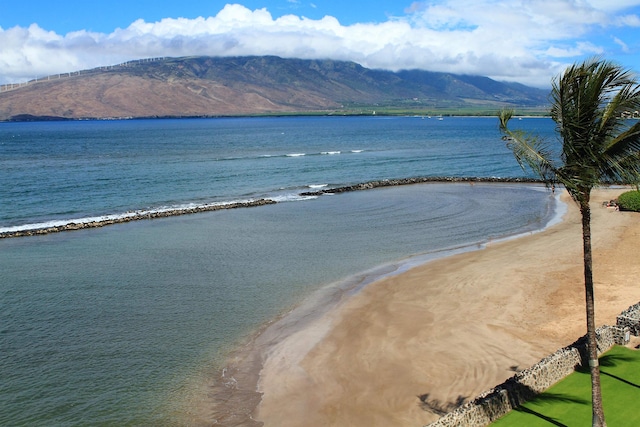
(105, 16)
(528, 41)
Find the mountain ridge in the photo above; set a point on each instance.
(251, 85)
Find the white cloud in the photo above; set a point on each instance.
(628, 21)
(613, 5)
(525, 41)
(579, 49)
(623, 45)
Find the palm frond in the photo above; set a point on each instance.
(530, 151)
(625, 142)
(613, 119)
(588, 102)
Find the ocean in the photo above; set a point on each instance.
(129, 324)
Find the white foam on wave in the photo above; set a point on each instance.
(357, 151)
(330, 152)
(318, 185)
(65, 222)
(559, 212)
(295, 155)
(292, 197)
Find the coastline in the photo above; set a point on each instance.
(409, 346)
(229, 395)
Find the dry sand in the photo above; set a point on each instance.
(412, 344)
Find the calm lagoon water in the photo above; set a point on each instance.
(117, 326)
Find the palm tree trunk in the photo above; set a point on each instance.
(592, 345)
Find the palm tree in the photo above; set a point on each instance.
(588, 103)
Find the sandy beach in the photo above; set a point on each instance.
(411, 345)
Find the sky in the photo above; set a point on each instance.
(525, 41)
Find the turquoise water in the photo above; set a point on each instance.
(115, 326)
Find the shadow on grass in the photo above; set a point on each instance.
(611, 361)
(548, 398)
(606, 361)
(619, 379)
(539, 415)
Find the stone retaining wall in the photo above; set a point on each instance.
(524, 385)
(631, 319)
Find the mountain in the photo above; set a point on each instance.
(214, 86)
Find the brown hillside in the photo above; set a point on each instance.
(122, 95)
(207, 86)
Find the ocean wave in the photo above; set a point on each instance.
(275, 156)
(291, 198)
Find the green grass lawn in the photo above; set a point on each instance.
(568, 403)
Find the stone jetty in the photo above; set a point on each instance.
(136, 216)
(418, 180)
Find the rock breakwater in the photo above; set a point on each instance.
(142, 215)
(135, 216)
(417, 180)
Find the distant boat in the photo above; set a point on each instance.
(440, 117)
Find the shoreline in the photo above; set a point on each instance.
(236, 385)
(337, 367)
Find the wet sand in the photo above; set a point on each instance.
(409, 346)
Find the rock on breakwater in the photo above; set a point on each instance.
(71, 226)
(416, 180)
